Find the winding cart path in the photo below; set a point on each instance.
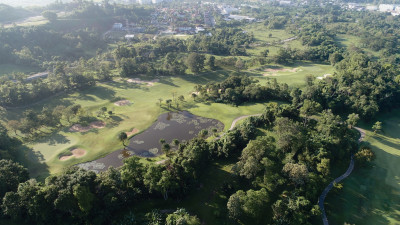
(337, 180)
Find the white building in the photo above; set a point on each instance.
(129, 37)
(117, 26)
(386, 7)
(144, 2)
(200, 29)
(372, 7)
(225, 10)
(240, 18)
(285, 2)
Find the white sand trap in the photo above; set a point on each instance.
(274, 72)
(92, 125)
(134, 131)
(122, 103)
(325, 76)
(77, 153)
(139, 81)
(161, 162)
(293, 70)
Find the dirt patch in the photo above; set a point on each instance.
(134, 131)
(77, 153)
(139, 81)
(122, 103)
(92, 125)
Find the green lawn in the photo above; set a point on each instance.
(371, 196)
(141, 114)
(294, 78)
(12, 68)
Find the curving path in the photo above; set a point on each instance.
(240, 118)
(337, 180)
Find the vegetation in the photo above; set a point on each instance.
(317, 60)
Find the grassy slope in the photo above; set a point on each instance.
(371, 196)
(12, 68)
(141, 114)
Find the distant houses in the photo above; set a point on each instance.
(393, 9)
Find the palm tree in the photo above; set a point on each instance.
(160, 100)
(166, 148)
(162, 141)
(123, 137)
(175, 142)
(194, 96)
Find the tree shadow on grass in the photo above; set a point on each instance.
(167, 81)
(34, 161)
(98, 91)
(206, 77)
(54, 138)
(114, 121)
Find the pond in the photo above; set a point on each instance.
(174, 125)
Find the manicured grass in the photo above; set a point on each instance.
(350, 40)
(12, 68)
(371, 196)
(293, 78)
(143, 111)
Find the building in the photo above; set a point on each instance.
(117, 26)
(226, 10)
(144, 2)
(386, 7)
(371, 7)
(200, 29)
(240, 18)
(129, 37)
(285, 2)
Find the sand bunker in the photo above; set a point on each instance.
(122, 103)
(93, 125)
(134, 131)
(138, 81)
(77, 153)
(161, 162)
(273, 72)
(325, 76)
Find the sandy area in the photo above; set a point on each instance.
(139, 81)
(77, 153)
(273, 72)
(161, 162)
(134, 131)
(325, 76)
(122, 103)
(93, 125)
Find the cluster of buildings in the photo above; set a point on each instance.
(394, 9)
(230, 13)
(144, 2)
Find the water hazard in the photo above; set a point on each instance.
(174, 125)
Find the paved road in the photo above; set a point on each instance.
(337, 180)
